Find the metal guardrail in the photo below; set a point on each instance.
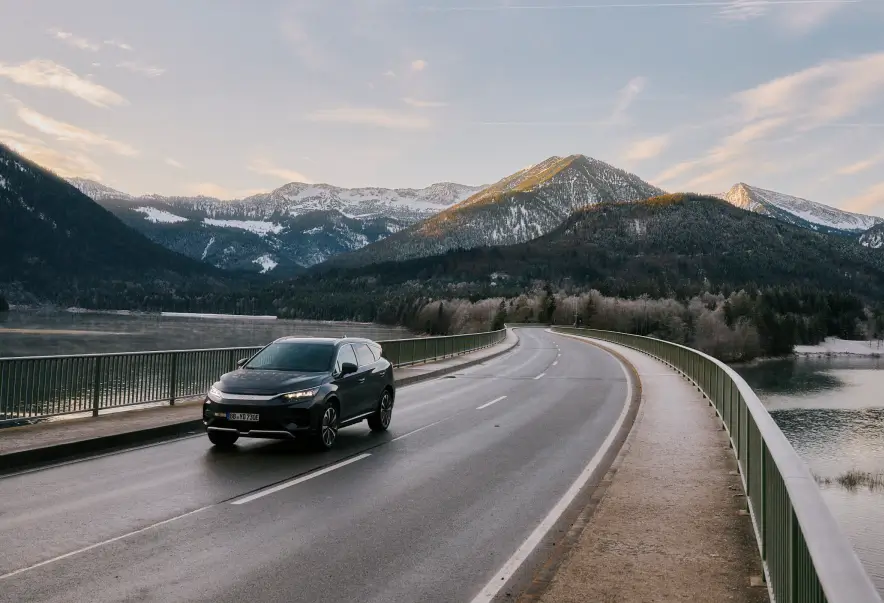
(48, 386)
(806, 556)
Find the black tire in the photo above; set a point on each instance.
(381, 418)
(327, 431)
(223, 439)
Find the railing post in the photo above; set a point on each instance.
(173, 377)
(96, 386)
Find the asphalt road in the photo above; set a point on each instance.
(453, 497)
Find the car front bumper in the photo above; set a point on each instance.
(275, 421)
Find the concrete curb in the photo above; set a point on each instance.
(68, 451)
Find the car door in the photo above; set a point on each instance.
(349, 386)
(370, 387)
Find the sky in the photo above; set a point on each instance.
(228, 98)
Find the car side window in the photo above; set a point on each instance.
(345, 354)
(364, 354)
(376, 349)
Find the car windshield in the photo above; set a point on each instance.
(293, 356)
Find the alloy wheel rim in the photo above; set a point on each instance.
(329, 426)
(386, 409)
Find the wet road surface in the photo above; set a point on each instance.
(430, 511)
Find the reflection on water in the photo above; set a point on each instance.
(37, 333)
(832, 412)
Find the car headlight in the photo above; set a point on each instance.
(214, 394)
(301, 395)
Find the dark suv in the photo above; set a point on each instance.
(302, 386)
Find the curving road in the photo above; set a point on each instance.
(448, 506)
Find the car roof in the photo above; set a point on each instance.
(329, 340)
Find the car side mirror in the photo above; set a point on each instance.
(348, 368)
(241, 362)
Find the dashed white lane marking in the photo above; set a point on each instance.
(298, 480)
(539, 376)
(405, 435)
(487, 404)
(499, 580)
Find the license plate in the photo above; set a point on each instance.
(242, 416)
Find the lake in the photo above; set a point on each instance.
(832, 411)
(43, 333)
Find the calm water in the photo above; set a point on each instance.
(832, 411)
(36, 333)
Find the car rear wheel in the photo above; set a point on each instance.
(223, 439)
(328, 428)
(380, 420)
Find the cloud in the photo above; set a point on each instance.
(782, 110)
(803, 19)
(142, 69)
(210, 189)
(423, 104)
(66, 165)
(47, 74)
(870, 198)
(647, 148)
(743, 10)
(68, 133)
(173, 163)
(117, 44)
(860, 166)
(627, 96)
(418, 65)
(821, 94)
(75, 41)
(389, 73)
(263, 166)
(369, 116)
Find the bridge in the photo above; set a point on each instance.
(530, 464)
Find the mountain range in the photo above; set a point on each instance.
(662, 247)
(299, 225)
(290, 228)
(518, 208)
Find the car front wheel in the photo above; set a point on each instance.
(328, 428)
(380, 420)
(223, 439)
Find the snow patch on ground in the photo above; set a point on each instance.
(206, 250)
(152, 214)
(3, 182)
(266, 262)
(833, 346)
(259, 227)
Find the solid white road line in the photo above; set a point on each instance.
(299, 480)
(555, 363)
(102, 543)
(518, 558)
(487, 404)
(539, 376)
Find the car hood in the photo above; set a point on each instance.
(261, 382)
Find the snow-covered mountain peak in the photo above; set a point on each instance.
(796, 210)
(96, 190)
